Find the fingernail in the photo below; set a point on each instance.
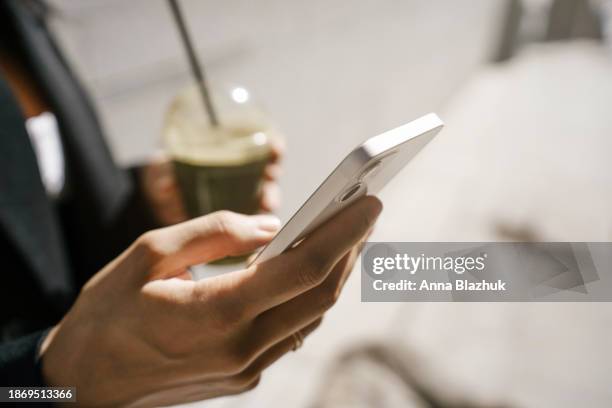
(267, 222)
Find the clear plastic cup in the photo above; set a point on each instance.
(222, 167)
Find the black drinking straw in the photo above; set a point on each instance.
(196, 67)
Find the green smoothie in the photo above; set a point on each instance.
(219, 169)
(208, 188)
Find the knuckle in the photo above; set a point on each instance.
(172, 347)
(225, 222)
(310, 276)
(228, 226)
(227, 313)
(314, 269)
(150, 244)
(233, 313)
(329, 296)
(320, 259)
(237, 361)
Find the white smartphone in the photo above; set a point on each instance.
(365, 170)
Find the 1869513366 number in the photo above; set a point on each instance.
(33, 394)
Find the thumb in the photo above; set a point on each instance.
(208, 238)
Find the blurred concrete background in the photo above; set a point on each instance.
(525, 154)
(331, 73)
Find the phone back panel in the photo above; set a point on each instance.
(366, 170)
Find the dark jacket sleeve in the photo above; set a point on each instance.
(19, 362)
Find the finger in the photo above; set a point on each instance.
(244, 381)
(353, 256)
(280, 321)
(348, 264)
(169, 210)
(279, 279)
(166, 189)
(270, 197)
(158, 165)
(161, 184)
(205, 239)
(277, 149)
(272, 172)
(198, 392)
(270, 356)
